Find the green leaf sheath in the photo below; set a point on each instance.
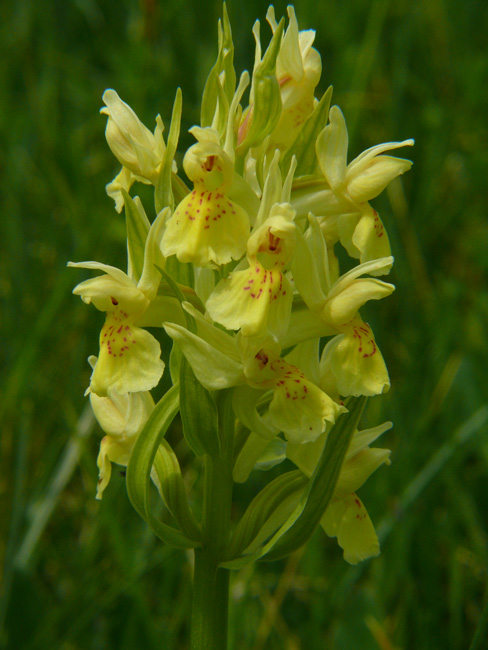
(322, 483)
(198, 413)
(263, 509)
(141, 463)
(173, 489)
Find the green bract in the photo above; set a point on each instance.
(236, 266)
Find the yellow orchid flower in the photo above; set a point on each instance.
(360, 230)
(351, 362)
(259, 297)
(207, 228)
(346, 517)
(129, 357)
(122, 418)
(134, 146)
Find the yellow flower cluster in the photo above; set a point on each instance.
(250, 239)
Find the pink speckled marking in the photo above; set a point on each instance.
(271, 283)
(116, 337)
(361, 514)
(364, 337)
(378, 226)
(291, 380)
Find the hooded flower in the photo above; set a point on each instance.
(360, 230)
(340, 199)
(346, 517)
(129, 357)
(207, 228)
(351, 361)
(259, 297)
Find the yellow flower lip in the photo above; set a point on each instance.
(207, 229)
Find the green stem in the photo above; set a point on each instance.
(211, 582)
(210, 603)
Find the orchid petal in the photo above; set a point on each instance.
(213, 369)
(331, 147)
(129, 359)
(355, 362)
(348, 520)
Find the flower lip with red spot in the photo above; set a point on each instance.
(299, 407)
(353, 362)
(258, 299)
(129, 358)
(208, 228)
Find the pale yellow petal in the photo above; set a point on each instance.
(355, 362)
(348, 520)
(342, 308)
(331, 147)
(366, 182)
(253, 300)
(300, 408)
(207, 229)
(129, 359)
(371, 239)
(358, 468)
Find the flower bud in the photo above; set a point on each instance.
(131, 142)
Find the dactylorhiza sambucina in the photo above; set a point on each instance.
(238, 266)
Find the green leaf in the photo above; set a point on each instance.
(219, 99)
(267, 106)
(153, 257)
(304, 145)
(173, 489)
(163, 195)
(137, 225)
(199, 413)
(266, 513)
(321, 486)
(140, 465)
(246, 402)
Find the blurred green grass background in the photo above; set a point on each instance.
(83, 574)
